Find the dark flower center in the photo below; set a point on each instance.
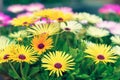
(67, 29)
(101, 57)
(22, 57)
(58, 65)
(60, 19)
(41, 46)
(25, 23)
(6, 56)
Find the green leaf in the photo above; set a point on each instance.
(33, 71)
(83, 76)
(26, 69)
(12, 74)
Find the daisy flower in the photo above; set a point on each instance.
(23, 21)
(50, 29)
(19, 36)
(86, 17)
(42, 43)
(64, 9)
(97, 32)
(24, 54)
(100, 53)
(117, 50)
(58, 62)
(53, 14)
(115, 39)
(71, 26)
(4, 42)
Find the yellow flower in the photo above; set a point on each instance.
(58, 62)
(115, 39)
(19, 36)
(97, 32)
(100, 53)
(24, 54)
(6, 53)
(87, 17)
(4, 42)
(49, 29)
(42, 43)
(54, 14)
(23, 21)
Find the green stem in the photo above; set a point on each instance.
(14, 69)
(56, 40)
(21, 70)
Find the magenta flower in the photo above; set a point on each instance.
(64, 9)
(110, 8)
(16, 8)
(34, 7)
(4, 19)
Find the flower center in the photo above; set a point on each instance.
(6, 56)
(101, 57)
(58, 65)
(41, 46)
(60, 19)
(25, 23)
(67, 29)
(22, 57)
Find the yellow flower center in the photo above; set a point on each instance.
(58, 65)
(100, 57)
(6, 56)
(22, 57)
(41, 46)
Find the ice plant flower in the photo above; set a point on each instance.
(53, 14)
(100, 53)
(110, 8)
(117, 50)
(58, 62)
(50, 29)
(4, 19)
(24, 54)
(19, 36)
(115, 29)
(42, 43)
(97, 32)
(16, 8)
(64, 9)
(34, 7)
(23, 21)
(86, 17)
(71, 26)
(4, 42)
(115, 39)
(29, 14)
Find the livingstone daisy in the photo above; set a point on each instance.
(23, 21)
(100, 53)
(42, 43)
(58, 62)
(97, 32)
(54, 14)
(24, 54)
(115, 39)
(117, 50)
(90, 18)
(19, 36)
(4, 42)
(71, 26)
(50, 29)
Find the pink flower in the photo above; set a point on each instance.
(106, 24)
(4, 19)
(34, 7)
(25, 14)
(116, 29)
(16, 8)
(64, 9)
(110, 8)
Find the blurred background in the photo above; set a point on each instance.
(90, 6)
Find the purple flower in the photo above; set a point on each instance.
(4, 19)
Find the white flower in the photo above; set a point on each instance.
(71, 26)
(86, 16)
(115, 39)
(117, 50)
(97, 32)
